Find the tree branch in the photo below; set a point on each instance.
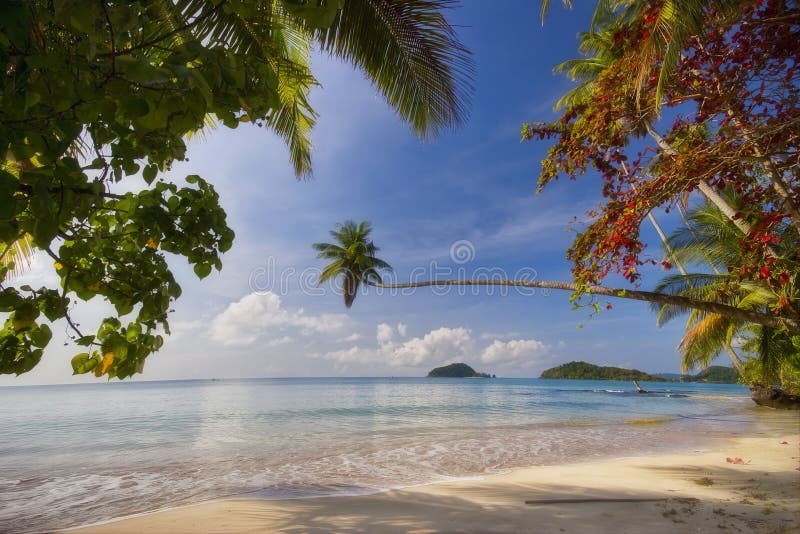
(189, 25)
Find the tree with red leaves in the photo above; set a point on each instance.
(734, 95)
(733, 100)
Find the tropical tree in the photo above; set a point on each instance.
(672, 24)
(731, 130)
(352, 258)
(96, 93)
(710, 240)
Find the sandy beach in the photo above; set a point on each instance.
(747, 484)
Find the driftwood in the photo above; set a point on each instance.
(594, 500)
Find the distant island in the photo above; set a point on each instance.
(588, 371)
(457, 370)
(717, 374)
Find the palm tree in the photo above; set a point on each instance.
(353, 258)
(406, 48)
(17, 254)
(711, 240)
(673, 24)
(599, 53)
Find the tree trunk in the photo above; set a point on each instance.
(661, 234)
(737, 362)
(791, 325)
(709, 192)
(780, 187)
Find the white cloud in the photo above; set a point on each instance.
(500, 335)
(513, 350)
(355, 336)
(384, 334)
(435, 346)
(258, 315)
(279, 341)
(351, 355)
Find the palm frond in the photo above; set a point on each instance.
(412, 56)
(18, 256)
(704, 341)
(545, 8)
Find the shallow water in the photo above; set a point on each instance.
(78, 454)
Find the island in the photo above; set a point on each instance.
(457, 370)
(715, 374)
(588, 371)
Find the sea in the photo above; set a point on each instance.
(74, 455)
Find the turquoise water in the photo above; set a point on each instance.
(79, 454)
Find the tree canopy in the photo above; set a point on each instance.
(96, 94)
(733, 100)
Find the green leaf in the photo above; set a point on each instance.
(149, 173)
(83, 363)
(85, 341)
(41, 336)
(202, 270)
(133, 332)
(137, 107)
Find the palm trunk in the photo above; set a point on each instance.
(735, 359)
(791, 325)
(661, 234)
(711, 194)
(780, 187)
(704, 187)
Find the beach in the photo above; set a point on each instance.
(690, 492)
(449, 454)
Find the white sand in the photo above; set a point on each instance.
(701, 492)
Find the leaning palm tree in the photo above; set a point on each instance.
(353, 258)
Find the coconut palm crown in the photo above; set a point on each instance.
(353, 258)
(710, 239)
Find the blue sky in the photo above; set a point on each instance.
(475, 185)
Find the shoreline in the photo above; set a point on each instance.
(694, 490)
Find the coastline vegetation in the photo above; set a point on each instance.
(457, 370)
(577, 370)
(588, 371)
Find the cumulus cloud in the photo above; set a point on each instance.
(260, 314)
(516, 349)
(436, 346)
(355, 336)
(384, 334)
(279, 341)
(351, 355)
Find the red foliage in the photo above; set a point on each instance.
(736, 93)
